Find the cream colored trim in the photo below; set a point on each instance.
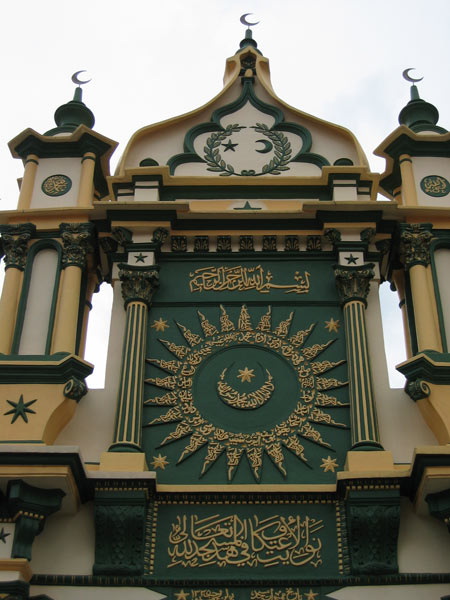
(433, 305)
(91, 283)
(17, 565)
(86, 189)
(9, 302)
(409, 192)
(65, 335)
(398, 277)
(427, 335)
(29, 176)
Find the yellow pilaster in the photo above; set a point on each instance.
(398, 277)
(29, 176)
(65, 336)
(86, 189)
(427, 334)
(8, 307)
(433, 306)
(91, 285)
(409, 193)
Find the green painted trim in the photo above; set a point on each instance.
(421, 367)
(33, 251)
(54, 368)
(81, 307)
(410, 314)
(442, 243)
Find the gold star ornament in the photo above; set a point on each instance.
(182, 595)
(159, 462)
(332, 325)
(329, 464)
(311, 595)
(245, 374)
(160, 325)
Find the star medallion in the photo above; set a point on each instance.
(160, 325)
(182, 595)
(351, 260)
(311, 595)
(329, 464)
(159, 462)
(140, 257)
(229, 146)
(20, 409)
(245, 374)
(332, 325)
(3, 535)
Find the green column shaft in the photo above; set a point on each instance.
(365, 434)
(128, 428)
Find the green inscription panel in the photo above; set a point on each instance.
(306, 592)
(273, 540)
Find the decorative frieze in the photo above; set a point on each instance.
(246, 243)
(269, 243)
(313, 243)
(415, 240)
(15, 240)
(353, 283)
(291, 243)
(77, 243)
(201, 243)
(224, 243)
(178, 243)
(138, 283)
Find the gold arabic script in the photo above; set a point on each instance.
(250, 541)
(240, 279)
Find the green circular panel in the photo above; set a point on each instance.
(252, 372)
(56, 185)
(435, 185)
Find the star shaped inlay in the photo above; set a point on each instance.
(159, 462)
(229, 146)
(3, 535)
(182, 595)
(140, 257)
(20, 409)
(160, 325)
(332, 325)
(351, 260)
(245, 374)
(329, 464)
(311, 595)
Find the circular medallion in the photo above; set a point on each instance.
(244, 390)
(56, 185)
(435, 185)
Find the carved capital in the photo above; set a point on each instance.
(75, 389)
(417, 389)
(353, 282)
(31, 506)
(15, 240)
(367, 234)
(160, 235)
(77, 242)
(415, 243)
(138, 283)
(333, 236)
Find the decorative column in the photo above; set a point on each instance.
(415, 243)
(409, 192)
(86, 189)
(138, 287)
(353, 287)
(29, 176)
(15, 240)
(76, 239)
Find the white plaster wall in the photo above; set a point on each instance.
(423, 543)
(91, 428)
(59, 592)
(392, 592)
(39, 303)
(442, 261)
(430, 165)
(401, 425)
(66, 545)
(56, 166)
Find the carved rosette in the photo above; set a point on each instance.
(77, 242)
(138, 283)
(415, 243)
(353, 282)
(15, 240)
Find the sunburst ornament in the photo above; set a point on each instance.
(262, 416)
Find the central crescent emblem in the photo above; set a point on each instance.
(245, 401)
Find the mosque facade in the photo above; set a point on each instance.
(247, 444)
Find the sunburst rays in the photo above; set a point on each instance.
(289, 435)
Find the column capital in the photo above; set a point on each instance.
(353, 282)
(138, 283)
(77, 242)
(15, 240)
(415, 240)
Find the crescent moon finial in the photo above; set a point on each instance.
(77, 80)
(244, 21)
(408, 77)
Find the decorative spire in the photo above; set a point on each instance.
(248, 39)
(69, 116)
(418, 114)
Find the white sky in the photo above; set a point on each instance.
(339, 60)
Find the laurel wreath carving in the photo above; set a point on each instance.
(281, 145)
